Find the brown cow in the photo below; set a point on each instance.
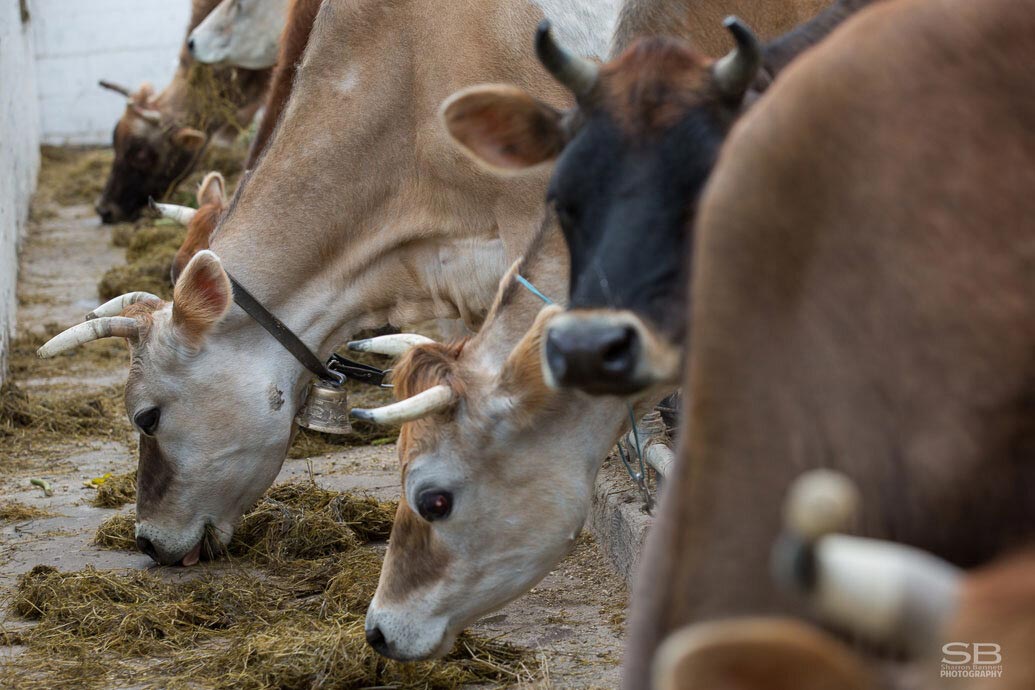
(864, 299)
(159, 138)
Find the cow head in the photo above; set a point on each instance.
(152, 152)
(211, 398)
(632, 158)
(242, 33)
(201, 222)
(497, 474)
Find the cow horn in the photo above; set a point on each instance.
(735, 72)
(181, 214)
(421, 405)
(111, 86)
(114, 307)
(95, 329)
(886, 592)
(577, 73)
(392, 345)
(152, 116)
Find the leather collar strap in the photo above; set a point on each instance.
(284, 335)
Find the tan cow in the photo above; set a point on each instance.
(160, 137)
(497, 467)
(360, 213)
(864, 299)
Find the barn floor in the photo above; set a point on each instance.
(572, 623)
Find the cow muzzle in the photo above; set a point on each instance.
(603, 352)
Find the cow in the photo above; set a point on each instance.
(160, 137)
(863, 301)
(359, 213)
(497, 468)
(200, 221)
(631, 161)
(240, 33)
(938, 618)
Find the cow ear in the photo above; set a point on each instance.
(504, 127)
(212, 190)
(757, 654)
(189, 138)
(201, 298)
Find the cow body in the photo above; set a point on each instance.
(159, 138)
(863, 300)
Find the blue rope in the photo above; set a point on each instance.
(533, 289)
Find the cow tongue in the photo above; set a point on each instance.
(193, 556)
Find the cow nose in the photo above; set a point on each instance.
(599, 358)
(376, 639)
(105, 213)
(145, 545)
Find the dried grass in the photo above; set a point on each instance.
(297, 623)
(19, 512)
(71, 175)
(116, 491)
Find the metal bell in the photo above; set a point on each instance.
(326, 409)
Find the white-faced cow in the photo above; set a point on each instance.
(497, 468)
(359, 213)
(160, 137)
(240, 33)
(631, 161)
(863, 299)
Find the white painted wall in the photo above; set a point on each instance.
(19, 156)
(81, 41)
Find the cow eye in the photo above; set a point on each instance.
(435, 505)
(147, 421)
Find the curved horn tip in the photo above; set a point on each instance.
(362, 414)
(359, 345)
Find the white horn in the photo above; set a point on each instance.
(107, 327)
(391, 345)
(114, 307)
(181, 214)
(421, 405)
(146, 114)
(883, 591)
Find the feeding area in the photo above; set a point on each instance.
(640, 344)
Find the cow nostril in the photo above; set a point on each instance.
(145, 545)
(556, 357)
(376, 639)
(190, 45)
(617, 353)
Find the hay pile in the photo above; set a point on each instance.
(19, 512)
(40, 422)
(70, 175)
(293, 521)
(235, 630)
(149, 257)
(297, 623)
(116, 491)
